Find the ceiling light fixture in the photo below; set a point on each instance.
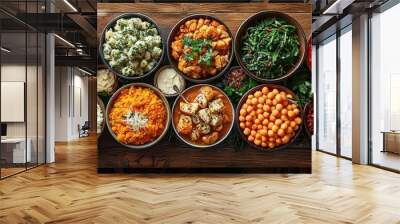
(337, 7)
(64, 40)
(84, 71)
(5, 50)
(70, 5)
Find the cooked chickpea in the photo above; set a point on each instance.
(272, 118)
(249, 109)
(291, 114)
(281, 133)
(285, 139)
(275, 128)
(268, 118)
(284, 126)
(250, 138)
(263, 132)
(264, 139)
(297, 120)
(264, 90)
(270, 125)
(242, 125)
(278, 98)
(248, 118)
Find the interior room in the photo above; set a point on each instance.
(46, 87)
(89, 133)
(365, 46)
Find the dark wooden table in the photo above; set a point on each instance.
(171, 155)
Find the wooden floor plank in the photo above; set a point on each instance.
(71, 191)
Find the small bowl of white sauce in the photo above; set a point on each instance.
(166, 78)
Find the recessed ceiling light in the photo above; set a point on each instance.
(84, 71)
(5, 50)
(64, 40)
(70, 5)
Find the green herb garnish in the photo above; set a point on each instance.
(235, 94)
(300, 83)
(270, 48)
(196, 48)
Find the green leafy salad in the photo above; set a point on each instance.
(270, 48)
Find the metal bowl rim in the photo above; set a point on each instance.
(215, 143)
(173, 63)
(302, 37)
(102, 39)
(166, 105)
(241, 102)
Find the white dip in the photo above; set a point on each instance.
(100, 119)
(166, 80)
(105, 81)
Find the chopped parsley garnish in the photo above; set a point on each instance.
(196, 47)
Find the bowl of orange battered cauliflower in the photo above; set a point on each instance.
(200, 48)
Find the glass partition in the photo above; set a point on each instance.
(22, 67)
(385, 89)
(326, 102)
(346, 72)
(15, 150)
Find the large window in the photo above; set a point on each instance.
(345, 43)
(326, 101)
(22, 77)
(385, 88)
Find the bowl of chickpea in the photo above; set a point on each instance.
(268, 117)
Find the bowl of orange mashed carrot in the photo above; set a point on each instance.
(138, 115)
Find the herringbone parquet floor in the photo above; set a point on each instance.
(70, 191)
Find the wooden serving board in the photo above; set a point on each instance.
(171, 155)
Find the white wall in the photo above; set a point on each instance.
(71, 93)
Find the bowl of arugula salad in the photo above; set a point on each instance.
(270, 46)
